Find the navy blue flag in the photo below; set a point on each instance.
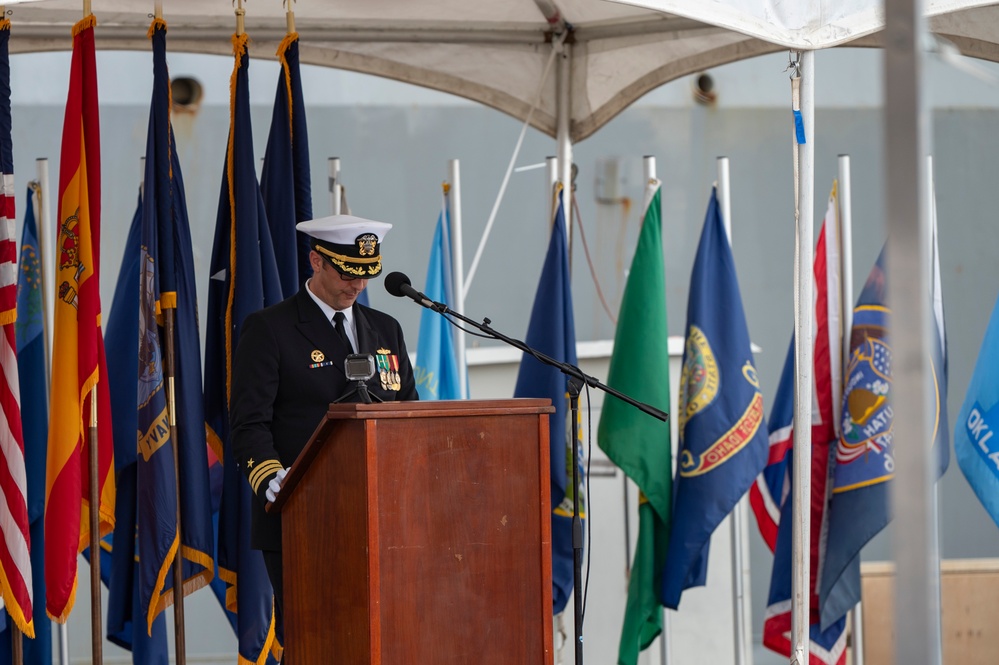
(723, 441)
(120, 570)
(553, 333)
(243, 279)
(158, 276)
(29, 333)
(285, 178)
(865, 453)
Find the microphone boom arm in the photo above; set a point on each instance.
(566, 368)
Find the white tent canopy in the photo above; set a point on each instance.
(495, 52)
(490, 52)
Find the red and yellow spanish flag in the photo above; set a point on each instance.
(78, 348)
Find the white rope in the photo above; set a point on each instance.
(556, 48)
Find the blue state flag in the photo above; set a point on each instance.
(158, 277)
(120, 569)
(975, 442)
(723, 440)
(285, 178)
(864, 459)
(168, 289)
(243, 279)
(553, 332)
(29, 333)
(438, 375)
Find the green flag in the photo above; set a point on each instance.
(638, 443)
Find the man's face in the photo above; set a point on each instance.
(330, 286)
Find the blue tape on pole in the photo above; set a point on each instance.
(799, 127)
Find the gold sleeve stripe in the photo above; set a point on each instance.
(265, 468)
(262, 471)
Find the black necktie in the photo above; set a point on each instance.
(341, 330)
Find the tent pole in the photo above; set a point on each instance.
(741, 607)
(457, 268)
(845, 214)
(562, 133)
(804, 314)
(917, 606)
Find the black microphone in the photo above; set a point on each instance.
(398, 284)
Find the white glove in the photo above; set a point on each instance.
(274, 486)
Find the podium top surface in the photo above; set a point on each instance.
(439, 408)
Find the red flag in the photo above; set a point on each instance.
(15, 560)
(78, 348)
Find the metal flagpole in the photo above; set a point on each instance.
(551, 171)
(334, 185)
(458, 268)
(44, 217)
(917, 605)
(47, 248)
(96, 626)
(804, 147)
(741, 607)
(934, 262)
(846, 290)
(649, 171)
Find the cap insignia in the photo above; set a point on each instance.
(366, 244)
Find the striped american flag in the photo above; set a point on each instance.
(15, 563)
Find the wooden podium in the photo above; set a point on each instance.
(420, 532)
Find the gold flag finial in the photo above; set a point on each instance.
(240, 14)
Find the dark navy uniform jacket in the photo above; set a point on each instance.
(287, 369)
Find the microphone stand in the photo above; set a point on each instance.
(576, 378)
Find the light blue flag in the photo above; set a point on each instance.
(438, 375)
(975, 442)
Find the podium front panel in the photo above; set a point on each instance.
(427, 539)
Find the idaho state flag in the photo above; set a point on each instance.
(723, 441)
(243, 280)
(78, 365)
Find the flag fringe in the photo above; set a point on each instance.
(283, 47)
(158, 23)
(84, 24)
(14, 609)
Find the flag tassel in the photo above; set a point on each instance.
(96, 632)
(169, 374)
